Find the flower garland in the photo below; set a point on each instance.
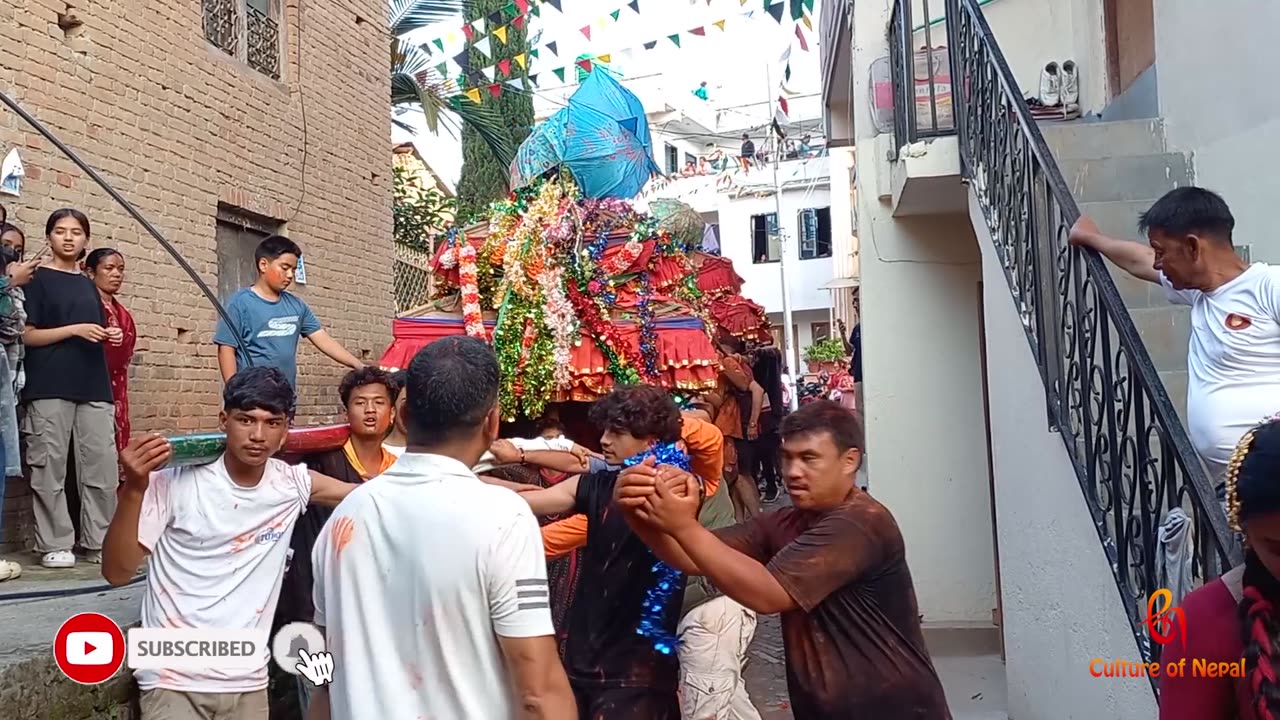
(558, 316)
(620, 262)
(619, 358)
(472, 316)
(667, 580)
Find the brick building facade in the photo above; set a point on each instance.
(220, 120)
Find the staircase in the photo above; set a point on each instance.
(1116, 170)
(1109, 350)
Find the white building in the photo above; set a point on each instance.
(1017, 413)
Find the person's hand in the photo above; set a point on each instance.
(505, 452)
(20, 273)
(670, 508)
(90, 332)
(674, 478)
(115, 335)
(582, 454)
(635, 485)
(142, 456)
(1083, 231)
(753, 430)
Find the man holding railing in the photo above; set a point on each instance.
(1233, 358)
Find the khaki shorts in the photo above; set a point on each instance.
(160, 704)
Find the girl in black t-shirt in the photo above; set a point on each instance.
(68, 395)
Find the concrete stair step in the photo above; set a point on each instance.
(1125, 178)
(1118, 218)
(1084, 140)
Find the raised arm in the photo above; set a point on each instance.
(1133, 257)
(325, 343)
(122, 550)
(328, 491)
(559, 498)
(565, 461)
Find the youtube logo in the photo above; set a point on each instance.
(89, 648)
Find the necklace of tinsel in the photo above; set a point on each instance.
(601, 282)
(622, 362)
(666, 579)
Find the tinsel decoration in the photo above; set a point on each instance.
(666, 579)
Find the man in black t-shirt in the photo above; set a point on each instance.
(616, 673)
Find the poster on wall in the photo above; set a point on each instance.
(11, 174)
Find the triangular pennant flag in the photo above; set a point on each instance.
(786, 54)
(784, 107)
(473, 95)
(494, 18)
(585, 30)
(477, 26)
(635, 6)
(501, 34)
(719, 24)
(518, 23)
(786, 73)
(451, 38)
(523, 5)
(675, 39)
(487, 73)
(601, 21)
(522, 60)
(505, 66)
(607, 57)
(797, 9)
(426, 48)
(536, 79)
(536, 11)
(698, 31)
(439, 44)
(534, 53)
(804, 44)
(651, 45)
(483, 47)
(585, 64)
(776, 12)
(558, 71)
(443, 69)
(552, 47)
(511, 9)
(461, 59)
(807, 22)
(555, 4)
(809, 4)
(615, 14)
(518, 84)
(495, 90)
(742, 2)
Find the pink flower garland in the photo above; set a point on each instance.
(560, 319)
(473, 318)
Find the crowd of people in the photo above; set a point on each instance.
(64, 374)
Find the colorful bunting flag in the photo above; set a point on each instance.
(505, 66)
(483, 46)
(501, 34)
(807, 22)
(552, 47)
(776, 11)
(443, 69)
(635, 6)
(804, 44)
(675, 39)
(797, 9)
(510, 9)
(786, 73)
(536, 11)
(601, 22)
(555, 4)
(473, 95)
(585, 64)
(615, 14)
(495, 90)
(585, 30)
(439, 43)
(607, 57)
(494, 18)
(523, 5)
(558, 71)
(719, 24)
(809, 4)
(522, 60)
(518, 23)
(534, 53)
(698, 31)
(651, 45)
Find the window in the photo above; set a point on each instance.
(259, 45)
(690, 159)
(672, 158)
(815, 233)
(819, 331)
(237, 236)
(766, 245)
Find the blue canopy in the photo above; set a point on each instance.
(602, 138)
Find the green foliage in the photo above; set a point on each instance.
(420, 214)
(829, 350)
(485, 176)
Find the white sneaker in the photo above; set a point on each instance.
(59, 559)
(1050, 85)
(9, 570)
(1070, 84)
(93, 557)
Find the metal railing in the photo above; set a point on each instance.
(922, 104)
(1131, 454)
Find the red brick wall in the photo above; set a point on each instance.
(178, 126)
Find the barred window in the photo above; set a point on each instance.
(248, 30)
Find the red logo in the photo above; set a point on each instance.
(89, 648)
(1160, 621)
(1238, 322)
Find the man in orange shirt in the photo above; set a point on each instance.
(738, 401)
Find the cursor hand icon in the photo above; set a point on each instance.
(317, 668)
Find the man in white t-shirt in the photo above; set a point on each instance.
(1233, 361)
(430, 585)
(218, 538)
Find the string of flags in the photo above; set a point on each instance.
(476, 72)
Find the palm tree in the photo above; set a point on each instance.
(415, 84)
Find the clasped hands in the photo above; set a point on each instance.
(663, 496)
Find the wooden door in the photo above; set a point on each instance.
(1131, 41)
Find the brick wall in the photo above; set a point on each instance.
(178, 127)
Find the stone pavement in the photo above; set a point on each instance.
(766, 673)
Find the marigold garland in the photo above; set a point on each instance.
(472, 316)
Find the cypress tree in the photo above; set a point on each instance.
(484, 178)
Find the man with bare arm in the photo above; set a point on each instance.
(431, 585)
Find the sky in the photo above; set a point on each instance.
(736, 63)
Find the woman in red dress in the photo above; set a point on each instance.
(1237, 616)
(105, 267)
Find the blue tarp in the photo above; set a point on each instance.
(602, 138)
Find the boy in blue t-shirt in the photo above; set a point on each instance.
(269, 320)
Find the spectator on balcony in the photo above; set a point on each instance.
(1233, 361)
(268, 319)
(1236, 618)
(68, 396)
(105, 267)
(748, 151)
(833, 565)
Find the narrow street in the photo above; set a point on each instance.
(765, 673)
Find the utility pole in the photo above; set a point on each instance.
(788, 333)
